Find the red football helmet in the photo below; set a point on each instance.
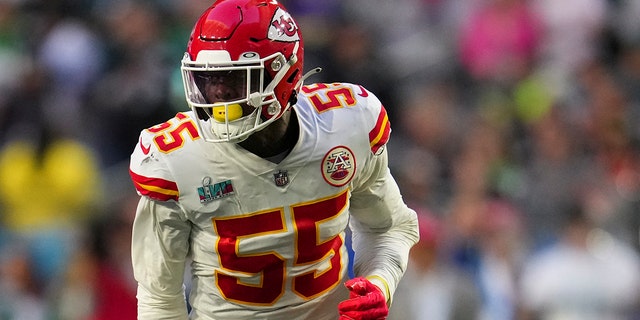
(243, 67)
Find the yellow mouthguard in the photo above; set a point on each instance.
(235, 112)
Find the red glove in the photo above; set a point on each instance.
(366, 301)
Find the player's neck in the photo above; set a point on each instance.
(276, 139)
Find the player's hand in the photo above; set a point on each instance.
(366, 301)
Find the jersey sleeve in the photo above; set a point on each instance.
(149, 173)
(384, 227)
(379, 134)
(160, 238)
(375, 117)
(160, 244)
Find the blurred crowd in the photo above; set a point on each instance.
(516, 139)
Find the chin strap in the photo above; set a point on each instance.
(294, 97)
(307, 75)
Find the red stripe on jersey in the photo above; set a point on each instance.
(155, 188)
(379, 135)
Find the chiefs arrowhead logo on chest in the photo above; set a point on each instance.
(338, 166)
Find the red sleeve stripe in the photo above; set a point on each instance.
(155, 188)
(379, 135)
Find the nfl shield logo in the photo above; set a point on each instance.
(281, 178)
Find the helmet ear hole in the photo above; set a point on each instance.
(293, 76)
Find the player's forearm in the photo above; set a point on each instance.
(383, 257)
(384, 230)
(158, 252)
(160, 307)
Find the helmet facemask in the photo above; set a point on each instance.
(253, 105)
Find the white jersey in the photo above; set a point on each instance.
(267, 240)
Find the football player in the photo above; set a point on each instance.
(257, 184)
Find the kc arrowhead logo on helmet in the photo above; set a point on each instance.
(283, 28)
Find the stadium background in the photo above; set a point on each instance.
(515, 138)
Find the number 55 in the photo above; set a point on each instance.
(271, 266)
